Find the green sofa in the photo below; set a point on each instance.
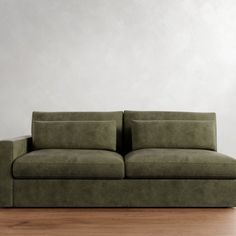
(117, 159)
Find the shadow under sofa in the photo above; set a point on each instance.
(180, 168)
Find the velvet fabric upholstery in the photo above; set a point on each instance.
(69, 163)
(74, 134)
(173, 134)
(9, 151)
(124, 193)
(179, 163)
(85, 116)
(129, 116)
(169, 178)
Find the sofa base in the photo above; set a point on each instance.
(124, 193)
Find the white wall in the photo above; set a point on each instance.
(63, 55)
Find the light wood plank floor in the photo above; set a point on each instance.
(120, 221)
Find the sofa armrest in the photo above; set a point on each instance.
(9, 151)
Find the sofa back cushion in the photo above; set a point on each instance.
(74, 134)
(109, 117)
(173, 134)
(129, 116)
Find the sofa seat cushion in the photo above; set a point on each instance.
(69, 163)
(179, 163)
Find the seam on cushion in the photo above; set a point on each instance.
(68, 178)
(185, 163)
(72, 164)
(182, 177)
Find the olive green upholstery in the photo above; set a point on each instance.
(173, 163)
(74, 134)
(69, 163)
(9, 151)
(94, 165)
(85, 116)
(129, 116)
(124, 193)
(173, 134)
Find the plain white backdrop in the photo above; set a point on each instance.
(102, 55)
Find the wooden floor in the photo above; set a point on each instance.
(121, 221)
